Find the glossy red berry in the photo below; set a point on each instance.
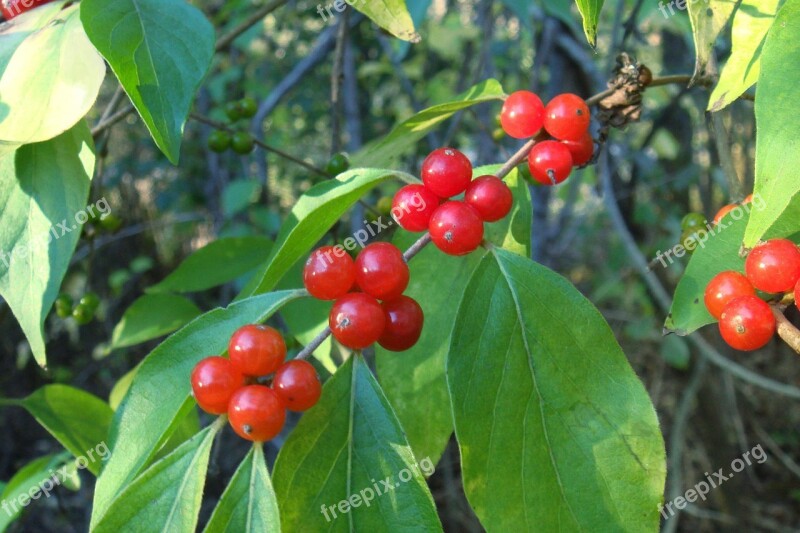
(567, 117)
(404, 319)
(725, 287)
(356, 320)
(581, 150)
(490, 197)
(257, 350)
(413, 206)
(329, 273)
(256, 413)
(381, 271)
(297, 384)
(446, 172)
(456, 228)
(773, 266)
(13, 8)
(550, 162)
(723, 211)
(522, 115)
(747, 323)
(214, 380)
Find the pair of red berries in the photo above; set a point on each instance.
(256, 412)
(566, 141)
(357, 319)
(746, 322)
(456, 226)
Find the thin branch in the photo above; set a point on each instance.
(258, 15)
(786, 330)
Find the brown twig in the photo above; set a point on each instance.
(786, 330)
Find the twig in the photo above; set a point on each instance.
(257, 16)
(315, 343)
(786, 330)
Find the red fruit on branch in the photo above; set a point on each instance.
(747, 323)
(329, 273)
(256, 413)
(522, 115)
(773, 266)
(413, 206)
(456, 228)
(724, 210)
(490, 197)
(356, 320)
(581, 150)
(257, 350)
(297, 385)
(567, 117)
(381, 271)
(446, 172)
(404, 320)
(214, 380)
(550, 162)
(725, 287)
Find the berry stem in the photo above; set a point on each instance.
(417, 247)
(516, 159)
(786, 330)
(314, 344)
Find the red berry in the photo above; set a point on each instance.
(797, 295)
(256, 413)
(413, 206)
(297, 384)
(329, 273)
(404, 320)
(747, 323)
(582, 150)
(446, 172)
(356, 320)
(490, 197)
(723, 288)
(567, 117)
(724, 211)
(214, 380)
(456, 228)
(773, 266)
(13, 8)
(257, 350)
(550, 162)
(381, 271)
(522, 115)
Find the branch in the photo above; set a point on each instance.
(786, 330)
(226, 40)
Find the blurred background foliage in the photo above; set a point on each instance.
(661, 168)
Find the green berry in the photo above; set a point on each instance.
(384, 205)
(693, 221)
(82, 314)
(689, 240)
(247, 107)
(232, 110)
(110, 223)
(242, 143)
(63, 305)
(337, 164)
(90, 300)
(219, 141)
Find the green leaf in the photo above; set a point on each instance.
(160, 50)
(406, 134)
(391, 15)
(77, 419)
(708, 18)
(339, 452)
(238, 195)
(33, 474)
(590, 11)
(42, 187)
(556, 431)
(750, 25)
(160, 395)
(248, 505)
(218, 262)
(414, 381)
(168, 495)
(313, 215)
(152, 316)
(51, 74)
(777, 149)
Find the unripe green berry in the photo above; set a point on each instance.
(693, 221)
(242, 143)
(247, 107)
(232, 110)
(219, 141)
(82, 314)
(63, 305)
(338, 163)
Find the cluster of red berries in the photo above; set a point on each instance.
(456, 226)
(357, 319)
(562, 127)
(233, 386)
(746, 322)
